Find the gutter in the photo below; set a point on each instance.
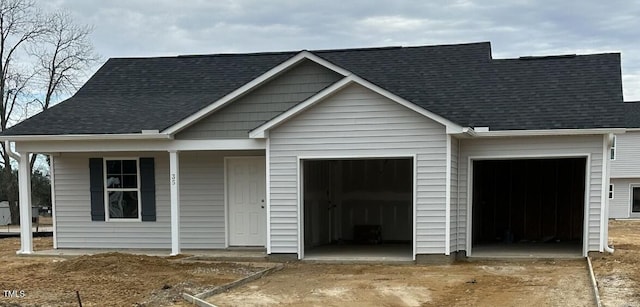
(145, 135)
(500, 133)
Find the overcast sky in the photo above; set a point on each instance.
(125, 28)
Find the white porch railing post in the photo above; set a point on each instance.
(174, 183)
(24, 188)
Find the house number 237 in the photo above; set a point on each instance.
(173, 179)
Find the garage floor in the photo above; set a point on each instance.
(378, 252)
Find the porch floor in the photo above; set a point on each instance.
(528, 250)
(351, 252)
(236, 254)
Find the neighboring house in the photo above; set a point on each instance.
(5, 213)
(433, 150)
(624, 189)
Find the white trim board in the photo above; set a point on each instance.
(469, 219)
(52, 181)
(138, 145)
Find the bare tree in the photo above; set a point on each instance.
(65, 54)
(42, 58)
(20, 24)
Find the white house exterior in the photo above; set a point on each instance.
(298, 156)
(624, 190)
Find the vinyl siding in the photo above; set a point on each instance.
(537, 146)
(202, 218)
(627, 162)
(357, 122)
(620, 205)
(264, 103)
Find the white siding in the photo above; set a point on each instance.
(627, 162)
(202, 204)
(358, 122)
(538, 146)
(73, 207)
(620, 205)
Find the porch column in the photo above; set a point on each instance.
(174, 175)
(24, 189)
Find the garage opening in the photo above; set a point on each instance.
(358, 209)
(528, 207)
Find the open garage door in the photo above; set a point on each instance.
(528, 207)
(358, 208)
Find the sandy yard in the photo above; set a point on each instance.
(618, 274)
(519, 283)
(112, 279)
(117, 279)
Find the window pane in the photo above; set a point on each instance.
(123, 204)
(129, 167)
(114, 167)
(129, 181)
(635, 200)
(114, 181)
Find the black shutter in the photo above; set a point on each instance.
(148, 189)
(96, 182)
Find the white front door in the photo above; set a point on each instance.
(246, 193)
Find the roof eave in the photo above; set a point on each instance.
(545, 132)
(86, 137)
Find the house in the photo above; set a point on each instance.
(421, 152)
(5, 213)
(624, 189)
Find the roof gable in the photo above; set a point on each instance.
(262, 131)
(267, 101)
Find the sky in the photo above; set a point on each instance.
(143, 28)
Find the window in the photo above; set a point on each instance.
(611, 191)
(612, 153)
(130, 192)
(635, 199)
(122, 193)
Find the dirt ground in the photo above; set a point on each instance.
(618, 274)
(518, 283)
(112, 279)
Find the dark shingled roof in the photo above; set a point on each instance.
(632, 114)
(459, 82)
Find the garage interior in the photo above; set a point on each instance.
(358, 209)
(528, 207)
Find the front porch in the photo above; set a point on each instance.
(189, 191)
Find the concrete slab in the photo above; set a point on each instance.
(192, 254)
(360, 253)
(527, 250)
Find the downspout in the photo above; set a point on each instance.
(12, 154)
